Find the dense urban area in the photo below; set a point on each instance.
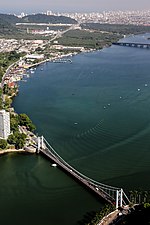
(115, 17)
(29, 40)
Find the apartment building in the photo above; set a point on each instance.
(4, 124)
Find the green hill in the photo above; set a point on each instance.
(42, 18)
(8, 28)
(37, 18)
(7, 24)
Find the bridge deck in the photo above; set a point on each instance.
(132, 44)
(74, 173)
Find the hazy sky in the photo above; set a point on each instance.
(13, 6)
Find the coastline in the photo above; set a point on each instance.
(23, 151)
(2, 152)
(108, 219)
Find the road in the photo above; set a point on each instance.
(60, 33)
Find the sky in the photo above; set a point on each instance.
(31, 6)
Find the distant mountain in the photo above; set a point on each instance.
(37, 18)
(10, 19)
(42, 18)
(7, 23)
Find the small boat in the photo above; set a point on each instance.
(54, 165)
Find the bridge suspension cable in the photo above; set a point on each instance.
(95, 182)
(109, 193)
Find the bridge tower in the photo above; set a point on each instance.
(119, 198)
(40, 144)
(113, 195)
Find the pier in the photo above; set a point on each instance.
(62, 60)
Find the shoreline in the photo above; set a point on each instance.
(6, 151)
(24, 151)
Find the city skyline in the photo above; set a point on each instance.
(36, 6)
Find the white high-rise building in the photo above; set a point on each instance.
(4, 124)
(49, 13)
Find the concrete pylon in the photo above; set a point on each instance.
(38, 144)
(42, 142)
(119, 198)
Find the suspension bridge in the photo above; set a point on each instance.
(113, 195)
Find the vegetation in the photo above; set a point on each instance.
(8, 28)
(93, 218)
(139, 196)
(139, 215)
(1, 107)
(14, 123)
(97, 36)
(24, 120)
(3, 144)
(42, 18)
(117, 28)
(139, 211)
(17, 139)
(88, 39)
(6, 59)
(7, 24)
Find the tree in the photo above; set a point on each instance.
(17, 139)
(3, 144)
(14, 123)
(11, 139)
(24, 120)
(8, 102)
(19, 143)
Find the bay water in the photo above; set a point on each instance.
(95, 112)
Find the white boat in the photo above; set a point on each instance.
(54, 165)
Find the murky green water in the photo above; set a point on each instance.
(95, 113)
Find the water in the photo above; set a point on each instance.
(95, 113)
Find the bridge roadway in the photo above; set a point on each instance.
(80, 177)
(131, 44)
